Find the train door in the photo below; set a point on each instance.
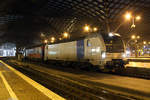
(88, 49)
(45, 52)
(93, 50)
(80, 49)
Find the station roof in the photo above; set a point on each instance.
(22, 21)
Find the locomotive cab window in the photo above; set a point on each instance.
(113, 44)
(88, 43)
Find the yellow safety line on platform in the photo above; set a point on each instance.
(38, 86)
(11, 92)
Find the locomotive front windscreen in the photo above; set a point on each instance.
(114, 44)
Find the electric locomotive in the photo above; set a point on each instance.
(107, 51)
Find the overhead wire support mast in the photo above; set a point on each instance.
(106, 9)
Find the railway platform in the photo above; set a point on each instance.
(139, 64)
(139, 59)
(16, 86)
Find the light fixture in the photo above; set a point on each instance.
(144, 42)
(138, 17)
(65, 35)
(111, 34)
(133, 36)
(103, 55)
(52, 38)
(45, 41)
(95, 29)
(128, 16)
(86, 28)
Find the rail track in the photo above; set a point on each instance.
(71, 89)
(135, 72)
(128, 71)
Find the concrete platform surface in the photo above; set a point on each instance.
(139, 59)
(148, 58)
(139, 64)
(16, 86)
(129, 86)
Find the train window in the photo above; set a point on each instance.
(88, 43)
(113, 44)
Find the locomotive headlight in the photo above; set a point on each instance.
(110, 34)
(123, 55)
(128, 53)
(103, 55)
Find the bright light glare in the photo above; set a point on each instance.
(144, 42)
(65, 35)
(93, 50)
(52, 38)
(117, 34)
(98, 49)
(60, 38)
(128, 52)
(95, 29)
(103, 55)
(52, 41)
(111, 34)
(133, 36)
(86, 28)
(138, 18)
(138, 37)
(123, 55)
(133, 26)
(128, 16)
(45, 41)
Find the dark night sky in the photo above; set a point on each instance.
(22, 21)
